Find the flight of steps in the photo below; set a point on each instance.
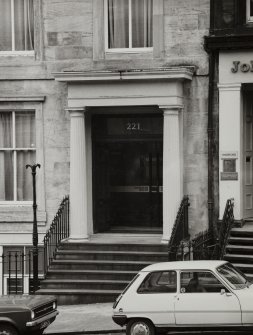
(239, 250)
(97, 272)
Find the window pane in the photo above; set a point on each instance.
(159, 282)
(24, 24)
(118, 24)
(6, 130)
(233, 276)
(5, 25)
(142, 25)
(25, 130)
(199, 282)
(24, 176)
(6, 176)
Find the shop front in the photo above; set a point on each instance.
(236, 131)
(126, 150)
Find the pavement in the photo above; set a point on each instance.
(91, 318)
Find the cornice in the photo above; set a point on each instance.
(24, 98)
(168, 73)
(228, 42)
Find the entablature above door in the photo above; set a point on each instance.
(160, 86)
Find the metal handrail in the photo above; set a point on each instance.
(58, 230)
(180, 229)
(225, 228)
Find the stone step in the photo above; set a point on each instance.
(98, 264)
(240, 240)
(239, 249)
(79, 296)
(111, 255)
(247, 259)
(91, 274)
(239, 232)
(114, 246)
(244, 267)
(84, 284)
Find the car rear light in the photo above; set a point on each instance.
(32, 315)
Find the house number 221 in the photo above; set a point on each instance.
(133, 126)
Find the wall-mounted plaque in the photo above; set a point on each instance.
(229, 175)
(229, 154)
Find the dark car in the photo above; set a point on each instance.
(26, 314)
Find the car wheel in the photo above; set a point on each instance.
(7, 330)
(140, 327)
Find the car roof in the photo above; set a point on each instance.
(184, 265)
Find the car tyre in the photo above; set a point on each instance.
(7, 330)
(140, 327)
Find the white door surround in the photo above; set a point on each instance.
(234, 73)
(156, 87)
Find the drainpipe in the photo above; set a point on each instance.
(211, 146)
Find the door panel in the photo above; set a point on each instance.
(203, 299)
(207, 308)
(248, 157)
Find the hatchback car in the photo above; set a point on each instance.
(26, 314)
(190, 294)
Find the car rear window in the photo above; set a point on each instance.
(159, 282)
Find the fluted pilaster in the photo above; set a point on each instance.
(172, 169)
(78, 182)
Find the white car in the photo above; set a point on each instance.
(190, 294)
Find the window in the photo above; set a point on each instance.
(250, 10)
(129, 24)
(200, 282)
(17, 25)
(17, 148)
(233, 276)
(159, 282)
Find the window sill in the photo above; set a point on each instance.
(17, 53)
(129, 51)
(20, 213)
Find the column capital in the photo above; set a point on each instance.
(230, 87)
(171, 109)
(76, 111)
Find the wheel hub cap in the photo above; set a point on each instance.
(140, 329)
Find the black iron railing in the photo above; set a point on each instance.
(204, 245)
(224, 230)
(17, 272)
(180, 229)
(58, 231)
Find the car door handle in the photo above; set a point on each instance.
(228, 294)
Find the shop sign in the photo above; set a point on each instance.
(242, 67)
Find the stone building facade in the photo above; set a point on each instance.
(121, 127)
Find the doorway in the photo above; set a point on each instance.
(248, 156)
(127, 173)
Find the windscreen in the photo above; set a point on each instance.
(233, 276)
